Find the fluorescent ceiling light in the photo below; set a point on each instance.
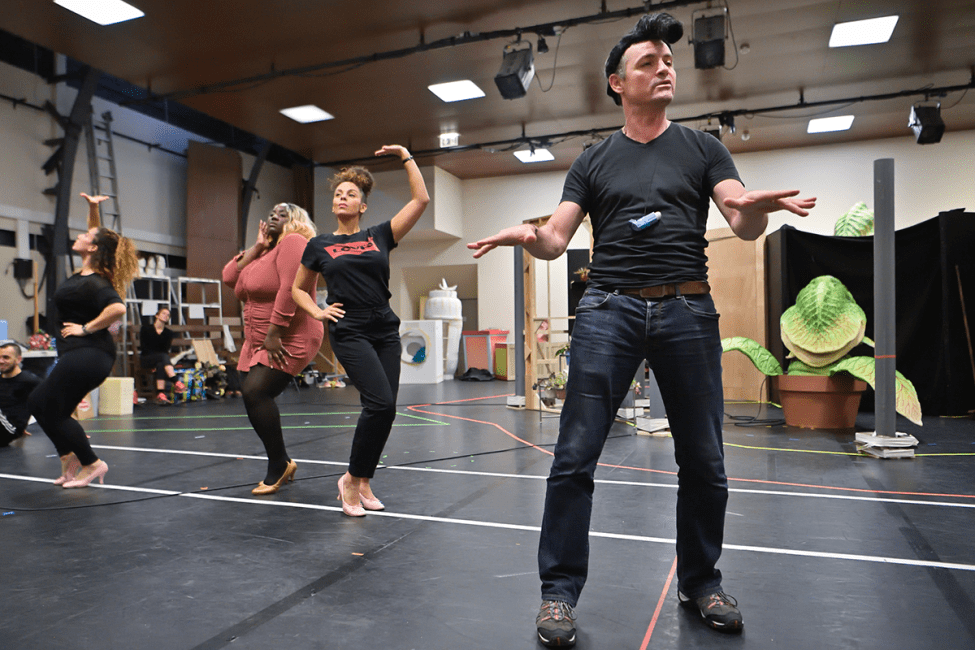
(103, 12)
(455, 91)
(307, 113)
(539, 155)
(827, 124)
(863, 32)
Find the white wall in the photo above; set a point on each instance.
(929, 179)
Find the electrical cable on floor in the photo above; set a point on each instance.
(754, 420)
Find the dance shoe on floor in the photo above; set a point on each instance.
(69, 469)
(349, 509)
(287, 477)
(88, 474)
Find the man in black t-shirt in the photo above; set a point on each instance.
(15, 386)
(647, 189)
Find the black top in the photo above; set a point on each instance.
(79, 299)
(13, 399)
(151, 342)
(620, 179)
(355, 267)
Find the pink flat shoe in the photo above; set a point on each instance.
(69, 470)
(371, 504)
(349, 509)
(98, 469)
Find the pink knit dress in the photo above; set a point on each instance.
(264, 286)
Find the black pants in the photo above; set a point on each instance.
(8, 430)
(76, 374)
(157, 360)
(367, 343)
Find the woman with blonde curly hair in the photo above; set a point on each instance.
(87, 304)
(279, 340)
(363, 329)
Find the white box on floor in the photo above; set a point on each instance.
(115, 396)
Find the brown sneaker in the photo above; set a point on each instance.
(719, 610)
(556, 624)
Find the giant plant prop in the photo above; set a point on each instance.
(819, 330)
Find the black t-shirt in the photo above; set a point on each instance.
(150, 342)
(79, 299)
(620, 179)
(13, 398)
(355, 267)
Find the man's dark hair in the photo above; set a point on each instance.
(651, 27)
(12, 344)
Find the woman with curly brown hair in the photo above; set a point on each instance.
(279, 340)
(363, 329)
(87, 303)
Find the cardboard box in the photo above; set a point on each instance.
(115, 396)
(88, 407)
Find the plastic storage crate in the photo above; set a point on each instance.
(479, 346)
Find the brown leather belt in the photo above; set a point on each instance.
(667, 290)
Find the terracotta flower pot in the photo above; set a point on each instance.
(820, 402)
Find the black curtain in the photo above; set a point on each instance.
(932, 346)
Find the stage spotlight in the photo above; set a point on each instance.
(517, 70)
(927, 123)
(708, 39)
(710, 130)
(728, 120)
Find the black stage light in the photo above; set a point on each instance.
(708, 40)
(728, 120)
(23, 269)
(927, 123)
(517, 70)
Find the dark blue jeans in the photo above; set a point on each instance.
(366, 342)
(613, 334)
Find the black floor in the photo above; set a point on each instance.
(823, 548)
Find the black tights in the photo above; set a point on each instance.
(261, 387)
(76, 373)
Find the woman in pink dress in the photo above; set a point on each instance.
(279, 340)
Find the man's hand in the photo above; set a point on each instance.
(514, 236)
(764, 202)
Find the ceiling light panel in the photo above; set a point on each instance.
(863, 32)
(103, 12)
(538, 155)
(306, 114)
(456, 91)
(827, 124)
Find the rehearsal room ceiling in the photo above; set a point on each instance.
(369, 64)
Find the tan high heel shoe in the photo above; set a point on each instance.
(69, 468)
(349, 509)
(88, 473)
(287, 477)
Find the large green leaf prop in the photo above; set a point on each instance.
(857, 222)
(762, 358)
(906, 401)
(824, 324)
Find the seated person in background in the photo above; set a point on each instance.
(15, 386)
(155, 340)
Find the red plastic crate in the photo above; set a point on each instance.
(479, 346)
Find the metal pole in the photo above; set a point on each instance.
(883, 297)
(519, 333)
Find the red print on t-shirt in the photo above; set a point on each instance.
(352, 248)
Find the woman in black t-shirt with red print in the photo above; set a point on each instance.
(363, 329)
(87, 303)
